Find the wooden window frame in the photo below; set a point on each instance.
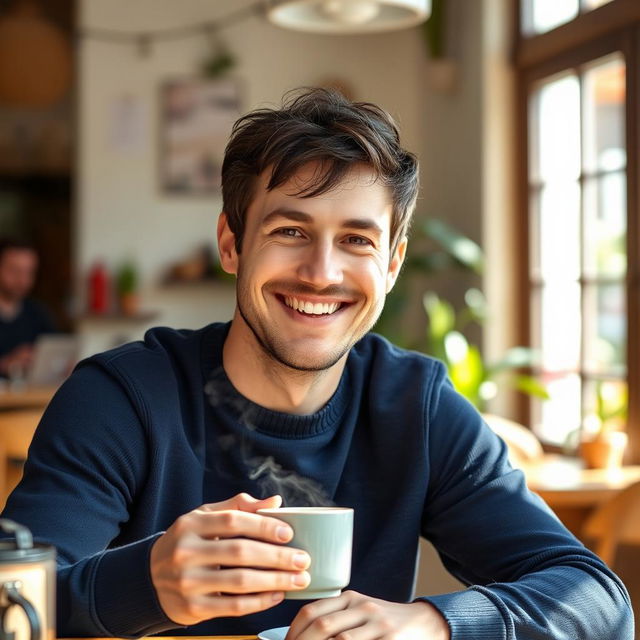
(612, 27)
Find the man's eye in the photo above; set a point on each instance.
(359, 240)
(290, 232)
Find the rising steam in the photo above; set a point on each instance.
(272, 479)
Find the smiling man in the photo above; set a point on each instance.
(312, 277)
(151, 462)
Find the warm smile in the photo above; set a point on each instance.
(311, 308)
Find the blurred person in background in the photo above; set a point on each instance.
(22, 319)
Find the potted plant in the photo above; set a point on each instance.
(603, 439)
(470, 374)
(441, 247)
(127, 289)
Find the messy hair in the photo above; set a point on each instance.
(322, 126)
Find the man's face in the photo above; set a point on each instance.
(17, 273)
(314, 272)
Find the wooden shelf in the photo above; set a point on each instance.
(212, 283)
(141, 317)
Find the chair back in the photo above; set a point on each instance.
(523, 445)
(614, 522)
(16, 432)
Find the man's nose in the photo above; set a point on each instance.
(321, 265)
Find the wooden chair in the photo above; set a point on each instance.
(524, 447)
(16, 432)
(614, 522)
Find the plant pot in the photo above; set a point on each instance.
(604, 452)
(129, 304)
(443, 75)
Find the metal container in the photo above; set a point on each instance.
(27, 586)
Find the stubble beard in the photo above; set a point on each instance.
(277, 350)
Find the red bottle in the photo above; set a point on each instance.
(99, 289)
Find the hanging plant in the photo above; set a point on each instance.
(434, 29)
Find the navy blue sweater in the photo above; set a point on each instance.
(144, 433)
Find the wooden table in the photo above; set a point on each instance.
(178, 638)
(573, 491)
(26, 398)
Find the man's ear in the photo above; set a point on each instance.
(227, 245)
(396, 263)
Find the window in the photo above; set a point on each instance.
(581, 293)
(540, 16)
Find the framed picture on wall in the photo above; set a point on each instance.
(196, 119)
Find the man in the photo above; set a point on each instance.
(152, 460)
(22, 319)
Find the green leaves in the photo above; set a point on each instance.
(531, 386)
(470, 375)
(462, 249)
(440, 247)
(442, 317)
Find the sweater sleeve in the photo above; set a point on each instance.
(529, 577)
(86, 463)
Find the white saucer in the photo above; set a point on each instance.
(273, 634)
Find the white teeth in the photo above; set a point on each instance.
(310, 308)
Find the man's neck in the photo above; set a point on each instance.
(263, 380)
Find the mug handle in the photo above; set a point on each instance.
(12, 593)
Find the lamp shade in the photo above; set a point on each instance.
(347, 16)
(35, 58)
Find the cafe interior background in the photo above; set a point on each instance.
(113, 118)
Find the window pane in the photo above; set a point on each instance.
(604, 91)
(559, 232)
(555, 129)
(593, 4)
(605, 226)
(555, 419)
(578, 240)
(539, 16)
(605, 329)
(556, 330)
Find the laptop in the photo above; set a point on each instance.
(54, 356)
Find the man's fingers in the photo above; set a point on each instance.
(328, 617)
(200, 582)
(245, 502)
(206, 607)
(233, 523)
(355, 621)
(239, 552)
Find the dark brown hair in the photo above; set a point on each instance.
(11, 244)
(317, 125)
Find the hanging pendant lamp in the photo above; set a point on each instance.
(347, 16)
(35, 58)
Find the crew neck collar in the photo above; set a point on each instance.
(219, 391)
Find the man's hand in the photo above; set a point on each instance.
(224, 559)
(17, 362)
(360, 617)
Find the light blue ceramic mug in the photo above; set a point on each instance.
(326, 534)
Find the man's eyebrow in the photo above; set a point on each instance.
(364, 224)
(287, 214)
